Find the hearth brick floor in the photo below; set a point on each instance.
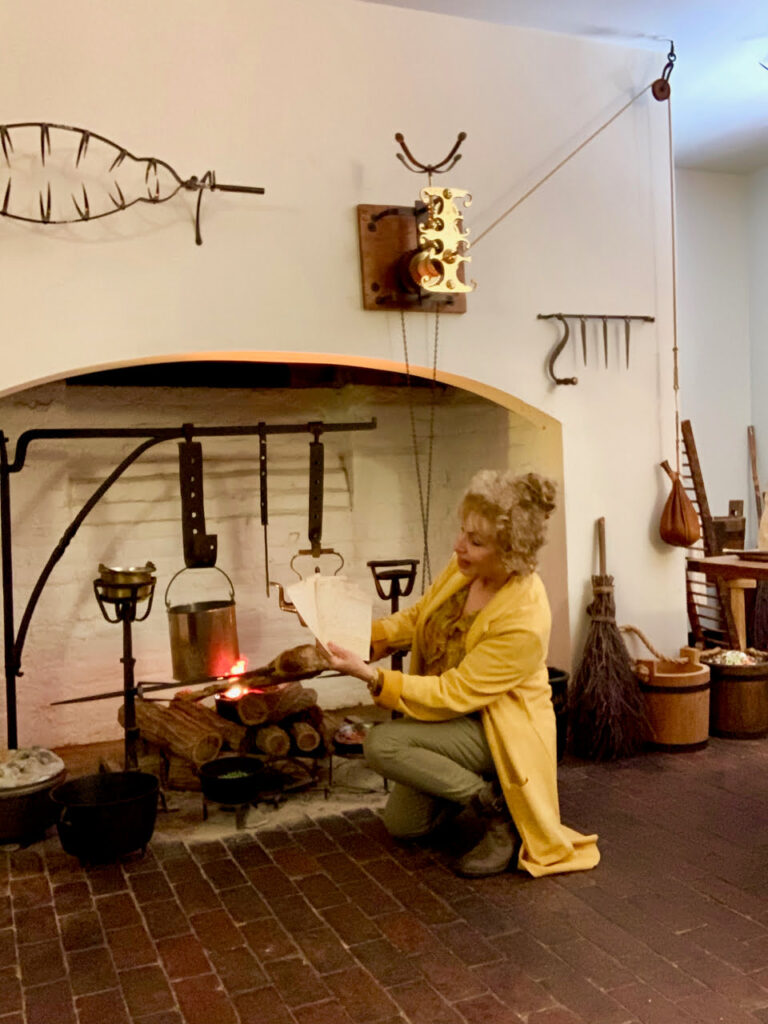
(328, 921)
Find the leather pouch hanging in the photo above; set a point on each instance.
(679, 524)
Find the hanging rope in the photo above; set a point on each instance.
(644, 639)
(672, 235)
(562, 163)
(424, 499)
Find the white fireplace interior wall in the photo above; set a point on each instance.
(371, 510)
(304, 97)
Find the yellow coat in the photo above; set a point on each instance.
(504, 676)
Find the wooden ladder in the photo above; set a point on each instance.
(709, 606)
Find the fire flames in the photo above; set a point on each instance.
(237, 690)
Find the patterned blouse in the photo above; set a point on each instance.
(445, 633)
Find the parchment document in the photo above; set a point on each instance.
(335, 610)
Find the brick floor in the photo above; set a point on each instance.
(329, 921)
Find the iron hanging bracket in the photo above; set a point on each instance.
(410, 162)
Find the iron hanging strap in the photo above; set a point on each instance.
(263, 501)
(315, 504)
(199, 547)
(314, 513)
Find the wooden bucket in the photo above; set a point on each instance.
(739, 701)
(676, 701)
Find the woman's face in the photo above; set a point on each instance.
(475, 547)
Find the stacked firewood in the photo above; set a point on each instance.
(279, 719)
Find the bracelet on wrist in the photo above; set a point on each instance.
(374, 684)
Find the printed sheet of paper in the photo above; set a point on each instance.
(335, 610)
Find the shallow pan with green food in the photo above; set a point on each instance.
(239, 780)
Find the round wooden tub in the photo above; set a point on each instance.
(739, 702)
(677, 702)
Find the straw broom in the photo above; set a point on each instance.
(607, 718)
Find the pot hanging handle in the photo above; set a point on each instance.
(185, 569)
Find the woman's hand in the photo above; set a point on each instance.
(350, 664)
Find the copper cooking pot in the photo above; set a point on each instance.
(203, 635)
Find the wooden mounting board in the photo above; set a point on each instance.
(386, 233)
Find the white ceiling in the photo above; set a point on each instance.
(719, 89)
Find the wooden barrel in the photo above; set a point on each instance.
(739, 701)
(676, 702)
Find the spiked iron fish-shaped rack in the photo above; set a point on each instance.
(57, 174)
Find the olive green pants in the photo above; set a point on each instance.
(435, 767)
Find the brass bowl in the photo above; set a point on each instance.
(118, 583)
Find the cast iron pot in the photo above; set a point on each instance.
(26, 812)
(104, 816)
(558, 681)
(248, 779)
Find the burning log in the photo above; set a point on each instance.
(255, 707)
(185, 733)
(300, 662)
(252, 708)
(194, 742)
(272, 740)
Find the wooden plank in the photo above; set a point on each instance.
(755, 477)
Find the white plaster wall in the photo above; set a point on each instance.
(304, 98)
(757, 243)
(714, 332)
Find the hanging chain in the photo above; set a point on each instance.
(424, 500)
(427, 568)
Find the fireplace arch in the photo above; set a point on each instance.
(371, 502)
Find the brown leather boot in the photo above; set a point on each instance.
(494, 852)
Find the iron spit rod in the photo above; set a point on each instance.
(171, 433)
(256, 190)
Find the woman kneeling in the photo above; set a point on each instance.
(478, 726)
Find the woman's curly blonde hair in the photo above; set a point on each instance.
(517, 507)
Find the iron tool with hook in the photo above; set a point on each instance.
(563, 318)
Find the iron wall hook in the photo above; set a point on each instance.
(419, 168)
(558, 348)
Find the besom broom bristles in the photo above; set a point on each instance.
(606, 710)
